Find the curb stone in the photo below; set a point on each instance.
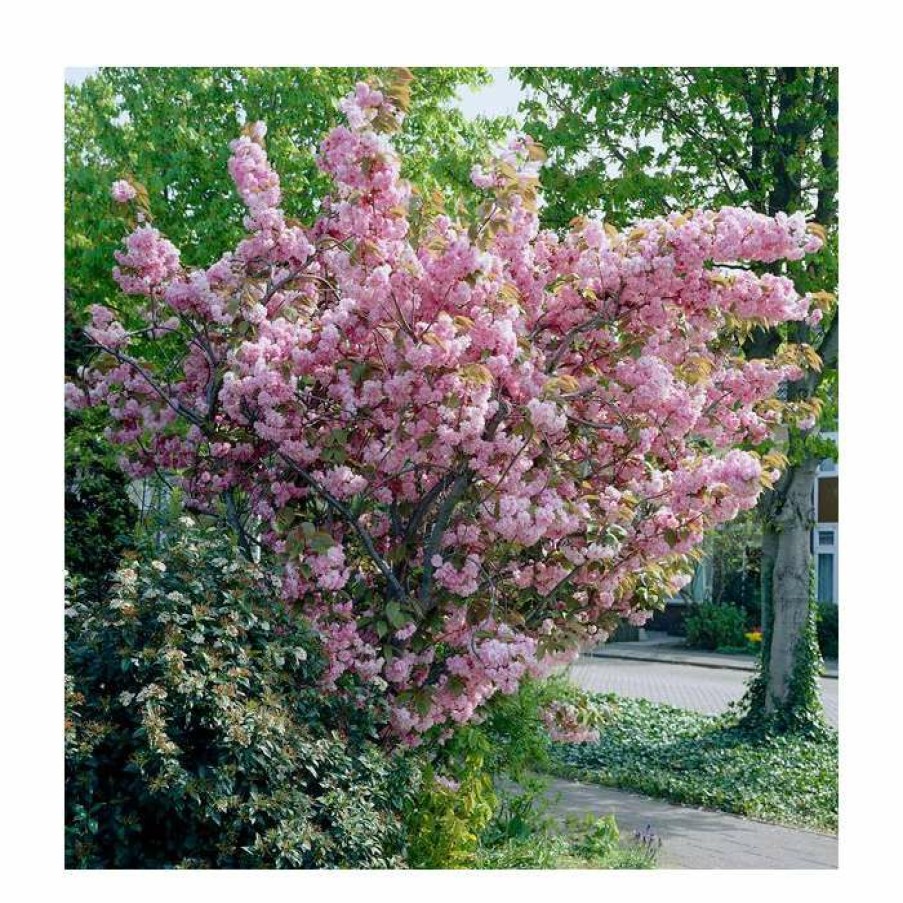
(696, 663)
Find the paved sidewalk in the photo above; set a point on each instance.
(687, 686)
(697, 838)
(659, 647)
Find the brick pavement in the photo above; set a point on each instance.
(699, 689)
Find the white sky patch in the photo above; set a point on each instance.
(75, 75)
(500, 98)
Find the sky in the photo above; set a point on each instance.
(497, 99)
(75, 75)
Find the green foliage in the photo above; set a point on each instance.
(801, 712)
(523, 835)
(516, 739)
(600, 838)
(699, 760)
(544, 845)
(634, 141)
(480, 806)
(445, 820)
(827, 623)
(100, 517)
(735, 550)
(169, 129)
(196, 735)
(520, 816)
(716, 626)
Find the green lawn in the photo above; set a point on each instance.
(704, 761)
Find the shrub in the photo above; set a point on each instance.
(100, 517)
(479, 806)
(522, 835)
(736, 556)
(445, 820)
(196, 735)
(827, 625)
(714, 626)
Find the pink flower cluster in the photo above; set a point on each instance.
(123, 191)
(148, 263)
(474, 447)
(564, 724)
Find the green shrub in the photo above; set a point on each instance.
(100, 517)
(713, 626)
(599, 838)
(479, 806)
(522, 835)
(827, 625)
(196, 735)
(445, 820)
(735, 551)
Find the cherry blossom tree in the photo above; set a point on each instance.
(471, 447)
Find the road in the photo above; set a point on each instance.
(699, 689)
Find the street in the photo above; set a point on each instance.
(686, 686)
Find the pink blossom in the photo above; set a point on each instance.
(123, 191)
(461, 446)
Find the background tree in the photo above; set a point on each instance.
(632, 142)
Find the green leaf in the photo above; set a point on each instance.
(396, 617)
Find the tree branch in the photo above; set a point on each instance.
(232, 516)
(366, 539)
(177, 406)
(569, 337)
(432, 547)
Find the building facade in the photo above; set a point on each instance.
(825, 534)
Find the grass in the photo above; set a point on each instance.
(706, 761)
(561, 852)
(523, 835)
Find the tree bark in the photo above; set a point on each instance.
(787, 537)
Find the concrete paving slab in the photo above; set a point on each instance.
(697, 838)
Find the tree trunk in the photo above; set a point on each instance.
(786, 554)
(766, 573)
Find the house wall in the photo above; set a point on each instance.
(826, 533)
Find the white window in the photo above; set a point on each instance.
(825, 542)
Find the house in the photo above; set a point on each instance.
(825, 531)
(824, 546)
